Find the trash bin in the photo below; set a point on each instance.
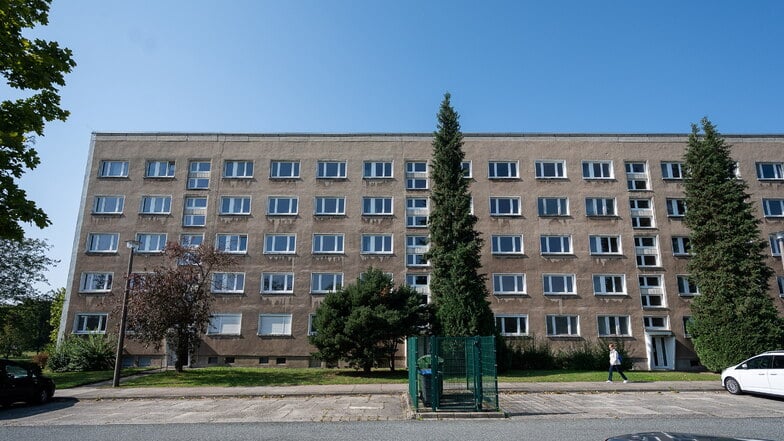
(426, 385)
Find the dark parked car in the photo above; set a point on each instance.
(23, 382)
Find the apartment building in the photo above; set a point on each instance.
(583, 234)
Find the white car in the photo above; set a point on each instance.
(763, 373)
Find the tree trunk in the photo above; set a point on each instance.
(182, 354)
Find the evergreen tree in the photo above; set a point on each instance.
(459, 291)
(734, 316)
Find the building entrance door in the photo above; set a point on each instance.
(660, 348)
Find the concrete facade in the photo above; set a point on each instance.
(583, 233)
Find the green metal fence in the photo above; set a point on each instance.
(452, 373)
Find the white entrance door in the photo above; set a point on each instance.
(661, 351)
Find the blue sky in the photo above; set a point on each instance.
(373, 66)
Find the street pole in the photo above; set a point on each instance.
(132, 245)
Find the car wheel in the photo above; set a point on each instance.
(732, 386)
(42, 396)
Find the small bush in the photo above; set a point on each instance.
(40, 359)
(94, 352)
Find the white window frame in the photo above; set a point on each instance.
(649, 322)
(468, 169)
(113, 169)
(650, 291)
(238, 169)
(550, 169)
(311, 326)
(518, 324)
(567, 280)
(378, 206)
(277, 169)
(321, 202)
(417, 175)
(546, 242)
(608, 323)
(321, 242)
(416, 216)
(159, 169)
(544, 205)
(572, 325)
(228, 282)
(601, 207)
(775, 250)
(96, 242)
(317, 281)
(505, 206)
(377, 170)
(509, 284)
(155, 204)
(376, 244)
(681, 246)
(676, 207)
(108, 204)
(416, 247)
(236, 206)
(277, 283)
(194, 212)
(636, 180)
(324, 169)
(642, 252)
(187, 240)
(685, 320)
(512, 170)
(672, 170)
(96, 282)
(282, 206)
(198, 175)
(498, 242)
(773, 207)
(780, 283)
(231, 243)
(275, 325)
(272, 242)
(609, 284)
(605, 245)
(640, 214)
(770, 171)
(603, 172)
(81, 321)
(686, 287)
(225, 324)
(151, 243)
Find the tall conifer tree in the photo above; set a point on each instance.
(734, 316)
(459, 291)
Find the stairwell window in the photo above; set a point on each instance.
(199, 175)
(652, 291)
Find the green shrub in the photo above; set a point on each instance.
(533, 353)
(94, 352)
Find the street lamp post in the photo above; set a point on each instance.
(132, 245)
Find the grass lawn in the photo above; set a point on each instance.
(593, 376)
(66, 380)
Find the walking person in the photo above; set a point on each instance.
(615, 365)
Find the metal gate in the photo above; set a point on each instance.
(452, 373)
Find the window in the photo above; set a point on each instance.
(96, 282)
(562, 326)
(377, 170)
(280, 244)
(597, 170)
(274, 324)
(686, 287)
(506, 284)
(224, 324)
(331, 170)
(550, 169)
(235, 205)
(232, 243)
(90, 324)
(151, 242)
(605, 245)
(636, 176)
(416, 176)
(646, 251)
(416, 247)
(108, 204)
(421, 284)
(654, 322)
(600, 207)
(512, 325)
(558, 284)
(553, 207)
(191, 240)
(282, 206)
(328, 244)
(277, 283)
(376, 206)
(194, 214)
(467, 169)
(780, 283)
(770, 171)
(672, 170)
(284, 169)
(322, 283)
(641, 213)
(508, 206)
(376, 244)
(609, 284)
(686, 320)
(556, 244)
(199, 175)
(676, 207)
(416, 212)
(159, 169)
(771, 207)
(502, 170)
(651, 291)
(113, 169)
(155, 205)
(681, 246)
(775, 250)
(613, 325)
(507, 244)
(102, 242)
(228, 282)
(237, 169)
(330, 206)
(311, 324)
